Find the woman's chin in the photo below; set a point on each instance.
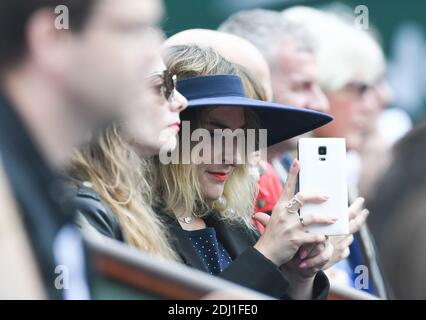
(167, 144)
(213, 193)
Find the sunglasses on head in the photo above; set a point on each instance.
(168, 85)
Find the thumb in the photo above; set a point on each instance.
(262, 217)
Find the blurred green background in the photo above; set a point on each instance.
(401, 25)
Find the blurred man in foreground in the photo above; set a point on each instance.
(58, 84)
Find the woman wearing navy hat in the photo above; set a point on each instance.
(208, 206)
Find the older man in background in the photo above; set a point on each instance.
(294, 75)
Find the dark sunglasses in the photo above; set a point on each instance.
(169, 83)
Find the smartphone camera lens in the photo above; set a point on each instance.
(322, 151)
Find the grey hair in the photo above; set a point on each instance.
(342, 51)
(267, 30)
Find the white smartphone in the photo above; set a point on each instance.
(323, 171)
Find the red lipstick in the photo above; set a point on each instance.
(221, 176)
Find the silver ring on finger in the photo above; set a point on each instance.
(294, 205)
(300, 202)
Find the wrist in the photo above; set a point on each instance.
(300, 279)
(297, 276)
(266, 253)
(301, 286)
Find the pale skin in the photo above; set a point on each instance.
(357, 217)
(160, 116)
(352, 107)
(285, 235)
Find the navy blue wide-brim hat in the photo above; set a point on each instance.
(282, 122)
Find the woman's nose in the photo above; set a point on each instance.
(178, 102)
(233, 154)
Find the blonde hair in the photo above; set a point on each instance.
(176, 186)
(116, 173)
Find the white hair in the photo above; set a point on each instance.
(266, 29)
(343, 52)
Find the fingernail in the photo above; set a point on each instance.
(325, 197)
(367, 212)
(303, 265)
(294, 165)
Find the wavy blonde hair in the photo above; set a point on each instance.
(116, 173)
(176, 186)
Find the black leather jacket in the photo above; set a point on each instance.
(94, 212)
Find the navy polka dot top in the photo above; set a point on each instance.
(209, 249)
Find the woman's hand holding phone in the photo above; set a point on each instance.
(284, 233)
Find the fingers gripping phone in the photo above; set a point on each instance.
(323, 171)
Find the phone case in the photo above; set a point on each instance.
(325, 174)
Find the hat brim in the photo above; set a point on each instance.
(282, 122)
